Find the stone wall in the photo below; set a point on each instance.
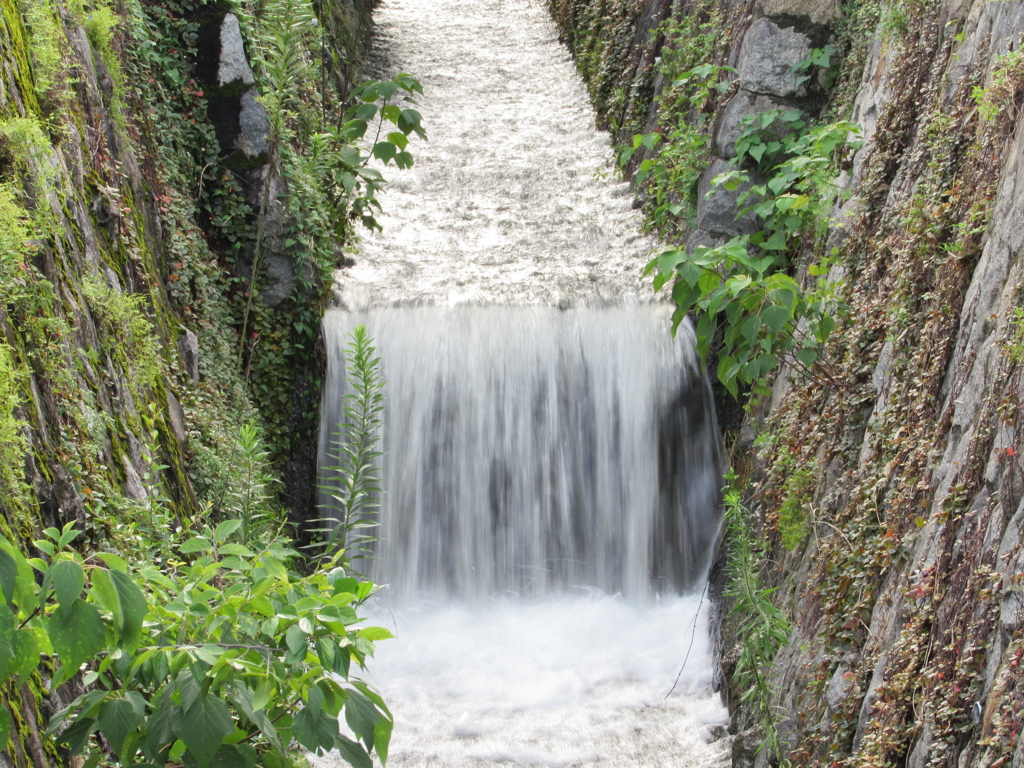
(119, 146)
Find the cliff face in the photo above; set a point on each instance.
(165, 249)
(888, 484)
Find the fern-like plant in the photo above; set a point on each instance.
(351, 480)
(762, 626)
(250, 498)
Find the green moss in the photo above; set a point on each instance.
(20, 56)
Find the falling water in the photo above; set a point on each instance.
(551, 470)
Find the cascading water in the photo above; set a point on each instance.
(551, 470)
(531, 449)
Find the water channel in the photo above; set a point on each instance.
(551, 464)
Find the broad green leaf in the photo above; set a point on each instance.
(225, 530)
(160, 727)
(399, 139)
(295, 639)
(375, 633)
(237, 549)
(384, 151)
(103, 592)
(382, 738)
(353, 753)
(26, 652)
(228, 756)
(113, 562)
(410, 120)
(117, 719)
(204, 727)
(361, 716)
(133, 608)
(807, 355)
(196, 544)
(6, 642)
(315, 730)
(263, 694)
(8, 578)
(5, 725)
(77, 736)
(775, 317)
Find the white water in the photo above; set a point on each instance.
(508, 201)
(551, 468)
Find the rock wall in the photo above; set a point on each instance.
(136, 167)
(897, 468)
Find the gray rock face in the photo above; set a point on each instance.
(234, 66)
(768, 56)
(739, 107)
(820, 13)
(254, 128)
(280, 270)
(133, 487)
(716, 206)
(188, 350)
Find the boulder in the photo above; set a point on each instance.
(188, 350)
(799, 13)
(233, 65)
(716, 206)
(253, 126)
(768, 57)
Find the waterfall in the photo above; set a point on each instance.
(532, 449)
(551, 466)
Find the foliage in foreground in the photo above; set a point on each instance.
(222, 657)
(216, 651)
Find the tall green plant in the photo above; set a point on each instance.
(762, 627)
(352, 484)
(249, 498)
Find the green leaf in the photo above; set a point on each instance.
(103, 592)
(77, 634)
(5, 725)
(775, 317)
(6, 642)
(384, 151)
(375, 633)
(196, 544)
(26, 652)
(117, 719)
(225, 530)
(315, 730)
(76, 737)
(204, 727)
(8, 577)
(353, 753)
(409, 121)
(228, 756)
(133, 608)
(237, 549)
(113, 562)
(807, 355)
(361, 716)
(399, 139)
